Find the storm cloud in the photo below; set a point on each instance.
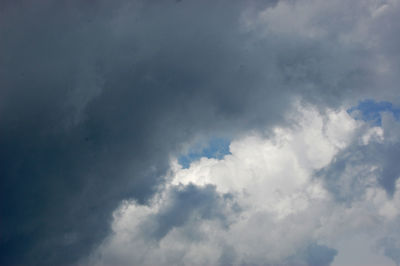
(96, 97)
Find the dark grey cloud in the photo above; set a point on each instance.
(347, 175)
(74, 144)
(352, 170)
(319, 255)
(313, 255)
(188, 205)
(391, 248)
(95, 97)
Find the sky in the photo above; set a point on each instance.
(260, 132)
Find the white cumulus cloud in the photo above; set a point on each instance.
(262, 204)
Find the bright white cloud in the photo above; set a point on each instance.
(264, 204)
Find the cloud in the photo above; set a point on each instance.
(373, 156)
(267, 208)
(96, 97)
(391, 248)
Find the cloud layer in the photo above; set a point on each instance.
(95, 98)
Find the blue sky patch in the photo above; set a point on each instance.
(370, 111)
(215, 148)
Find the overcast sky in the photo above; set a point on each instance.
(186, 132)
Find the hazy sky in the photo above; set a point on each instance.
(188, 132)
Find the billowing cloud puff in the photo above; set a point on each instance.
(269, 202)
